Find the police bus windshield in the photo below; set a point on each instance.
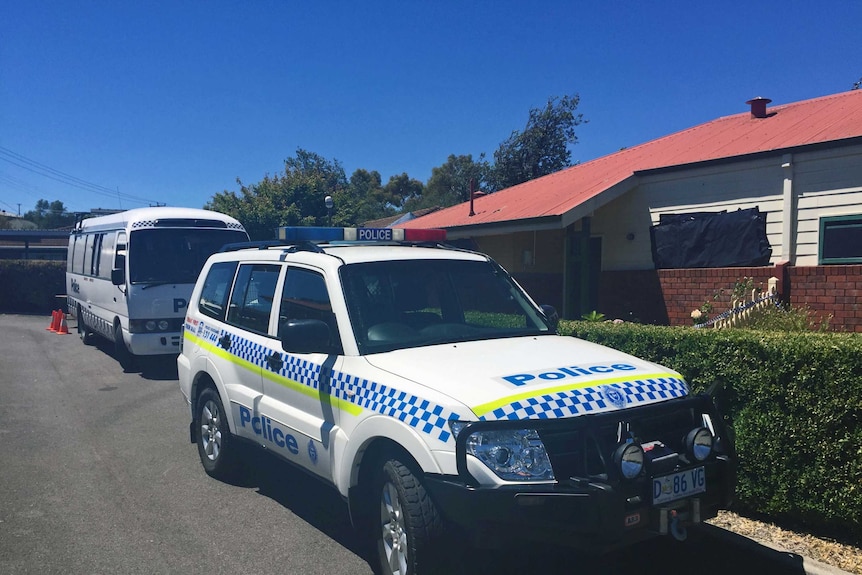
(174, 255)
(400, 304)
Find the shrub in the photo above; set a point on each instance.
(794, 401)
(32, 286)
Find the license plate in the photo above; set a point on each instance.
(678, 485)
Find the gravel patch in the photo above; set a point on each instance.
(840, 555)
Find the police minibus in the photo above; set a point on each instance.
(129, 275)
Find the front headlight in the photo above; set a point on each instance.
(512, 454)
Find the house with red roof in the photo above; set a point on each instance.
(585, 238)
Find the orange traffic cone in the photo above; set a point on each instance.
(55, 321)
(63, 329)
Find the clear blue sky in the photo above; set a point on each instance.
(171, 101)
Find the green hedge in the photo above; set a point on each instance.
(794, 401)
(32, 286)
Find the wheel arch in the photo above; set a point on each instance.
(204, 378)
(371, 442)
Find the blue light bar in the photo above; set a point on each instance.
(302, 234)
(321, 235)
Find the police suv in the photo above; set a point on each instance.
(431, 391)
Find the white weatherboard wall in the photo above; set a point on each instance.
(803, 187)
(826, 183)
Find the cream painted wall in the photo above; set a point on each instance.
(526, 252)
(825, 183)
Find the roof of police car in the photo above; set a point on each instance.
(371, 252)
(352, 253)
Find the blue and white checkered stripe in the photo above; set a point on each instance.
(248, 350)
(590, 399)
(416, 412)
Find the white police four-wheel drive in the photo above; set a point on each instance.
(428, 388)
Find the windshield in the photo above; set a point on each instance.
(174, 255)
(400, 304)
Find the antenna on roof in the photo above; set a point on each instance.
(472, 193)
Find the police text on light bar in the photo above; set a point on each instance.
(317, 234)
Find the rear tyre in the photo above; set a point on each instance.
(121, 352)
(83, 331)
(218, 449)
(409, 525)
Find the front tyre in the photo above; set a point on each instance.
(409, 523)
(217, 448)
(121, 352)
(83, 331)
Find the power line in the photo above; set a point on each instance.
(45, 171)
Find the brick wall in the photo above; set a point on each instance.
(667, 297)
(835, 290)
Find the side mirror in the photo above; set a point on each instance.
(552, 315)
(304, 336)
(118, 276)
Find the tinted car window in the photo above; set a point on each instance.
(216, 288)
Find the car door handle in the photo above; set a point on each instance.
(224, 341)
(275, 362)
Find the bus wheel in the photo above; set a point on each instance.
(83, 331)
(121, 352)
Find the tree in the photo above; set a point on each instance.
(295, 198)
(449, 184)
(50, 215)
(401, 189)
(542, 148)
(371, 200)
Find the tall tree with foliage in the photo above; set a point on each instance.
(50, 215)
(449, 184)
(542, 148)
(370, 199)
(295, 198)
(401, 189)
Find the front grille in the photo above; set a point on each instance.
(582, 447)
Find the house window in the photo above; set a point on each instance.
(840, 240)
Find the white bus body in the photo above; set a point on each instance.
(129, 275)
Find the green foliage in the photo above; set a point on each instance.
(50, 215)
(790, 319)
(593, 316)
(542, 148)
(794, 401)
(31, 286)
(450, 183)
(295, 198)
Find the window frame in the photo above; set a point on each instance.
(835, 222)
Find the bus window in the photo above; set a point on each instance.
(89, 240)
(97, 243)
(106, 255)
(75, 253)
(120, 255)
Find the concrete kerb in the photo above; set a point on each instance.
(809, 565)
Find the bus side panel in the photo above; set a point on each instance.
(88, 277)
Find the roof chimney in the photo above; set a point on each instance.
(758, 107)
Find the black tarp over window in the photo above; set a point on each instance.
(711, 240)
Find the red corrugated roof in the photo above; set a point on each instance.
(825, 119)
